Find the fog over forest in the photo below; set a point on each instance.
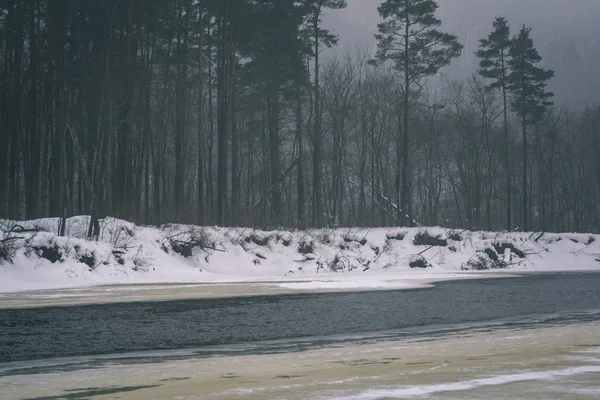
(302, 113)
(565, 33)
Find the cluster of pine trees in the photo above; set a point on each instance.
(224, 112)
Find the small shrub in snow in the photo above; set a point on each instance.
(256, 238)
(395, 236)
(121, 237)
(119, 255)
(50, 251)
(184, 243)
(140, 261)
(483, 262)
(423, 238)
(306, 246)
(184, 249)
(351, 239)
(9, 244)
(418, 262)
(12, 238)
(455, 236)
(88, 259)
(284, 238)
(339, 263)
(326, 236)
(491, 253)
(590, 240)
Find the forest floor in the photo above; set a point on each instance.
(130, 262)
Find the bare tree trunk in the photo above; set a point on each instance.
(210, 198)
(6, 43)
(222, 116)
(14, 116)
(525, 175)
(32, 157)
(317, 214)
(300, 176)
(200, 201)
(231, 112)
(506, 151)
(405, 138)
(275, 161)
(180, 105)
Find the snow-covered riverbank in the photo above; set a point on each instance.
(34, 257)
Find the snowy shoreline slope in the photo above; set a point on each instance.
(35, 257)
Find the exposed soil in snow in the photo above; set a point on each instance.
(34, 257)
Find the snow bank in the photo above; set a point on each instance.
(33, 256)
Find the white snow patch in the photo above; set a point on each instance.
(424, 390)
(327, 259)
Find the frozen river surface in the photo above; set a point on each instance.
(532, 337)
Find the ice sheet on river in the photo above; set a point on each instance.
(558, 361)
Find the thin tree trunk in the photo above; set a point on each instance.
(300, 176)
(222, 116)
(201, 209)
(506, 150)
(210, 198)
(525, 174)
(405, 138)
(317, 202)
(32, 157)
(275, 161)
(231, 112)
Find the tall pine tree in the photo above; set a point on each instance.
(408, 36)
(319, 36)
(494, 57)
(530, 101)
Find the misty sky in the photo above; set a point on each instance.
(565, 32)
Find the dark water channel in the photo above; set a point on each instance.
(42, 333)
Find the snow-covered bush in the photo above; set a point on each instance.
(258, 238)
(455, 236)
(306, 246)
(399, 236)
(9, 243)
(483, 262)
(418, 261)
(12, 238)
(184, 242)
(424, 238)
(340, 263)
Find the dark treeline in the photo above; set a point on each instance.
(223, 112)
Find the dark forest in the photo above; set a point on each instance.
(224, 112)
